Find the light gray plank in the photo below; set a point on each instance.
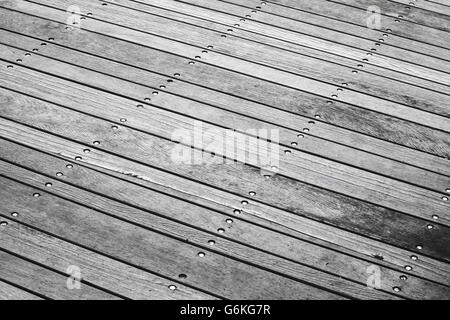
(44, 281)
(9, 292)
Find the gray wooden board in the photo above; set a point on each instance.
(322, 27)
(390, 9)
(355, 21)
(258, 69)
(227, 203)
(102, 271)
(308, 46)
(329, 150)
(309, 67)
(438, 6)
(422, 66)
(368, 82)
(251, 235)
(156, 152)
(239, 230)
(441, 6)
(297, 165)
(212, 272)
(338, 209)
(44, 281)
(10, 292)
(356, 119)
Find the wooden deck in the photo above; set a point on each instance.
(119, 165)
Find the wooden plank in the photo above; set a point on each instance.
(9, 292)
(318, 222)
(354, 15)
(412, 13)
(360, 217)
(219, 202)
(201, 37)
(294, 47)
(279, 97)
(312, 47)
(433, 6)
(240, 231)
(351, 20)
(297, 165)
(102, 271)
(151, 250)
(322, 27)
(258, 70)
(329, 150)
(442, 2)
(44, 281)
(255, 237)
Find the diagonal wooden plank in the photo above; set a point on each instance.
(409, 12)
(279, 76)
(277, 96)
(320, 235)
(320, 26)
(44, 281)
(328, 150)
(9, 292)
(297, 165)
(351, 282)
(115, 276)
(151, 250)
(363, 218)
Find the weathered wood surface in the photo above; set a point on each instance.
(10, 292)
(44, 281)
(88, 114)
(227, 204)
(361, 120)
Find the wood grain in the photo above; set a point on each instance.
(276, 96)
(101, 167)
(9, 292)
(46, 282)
